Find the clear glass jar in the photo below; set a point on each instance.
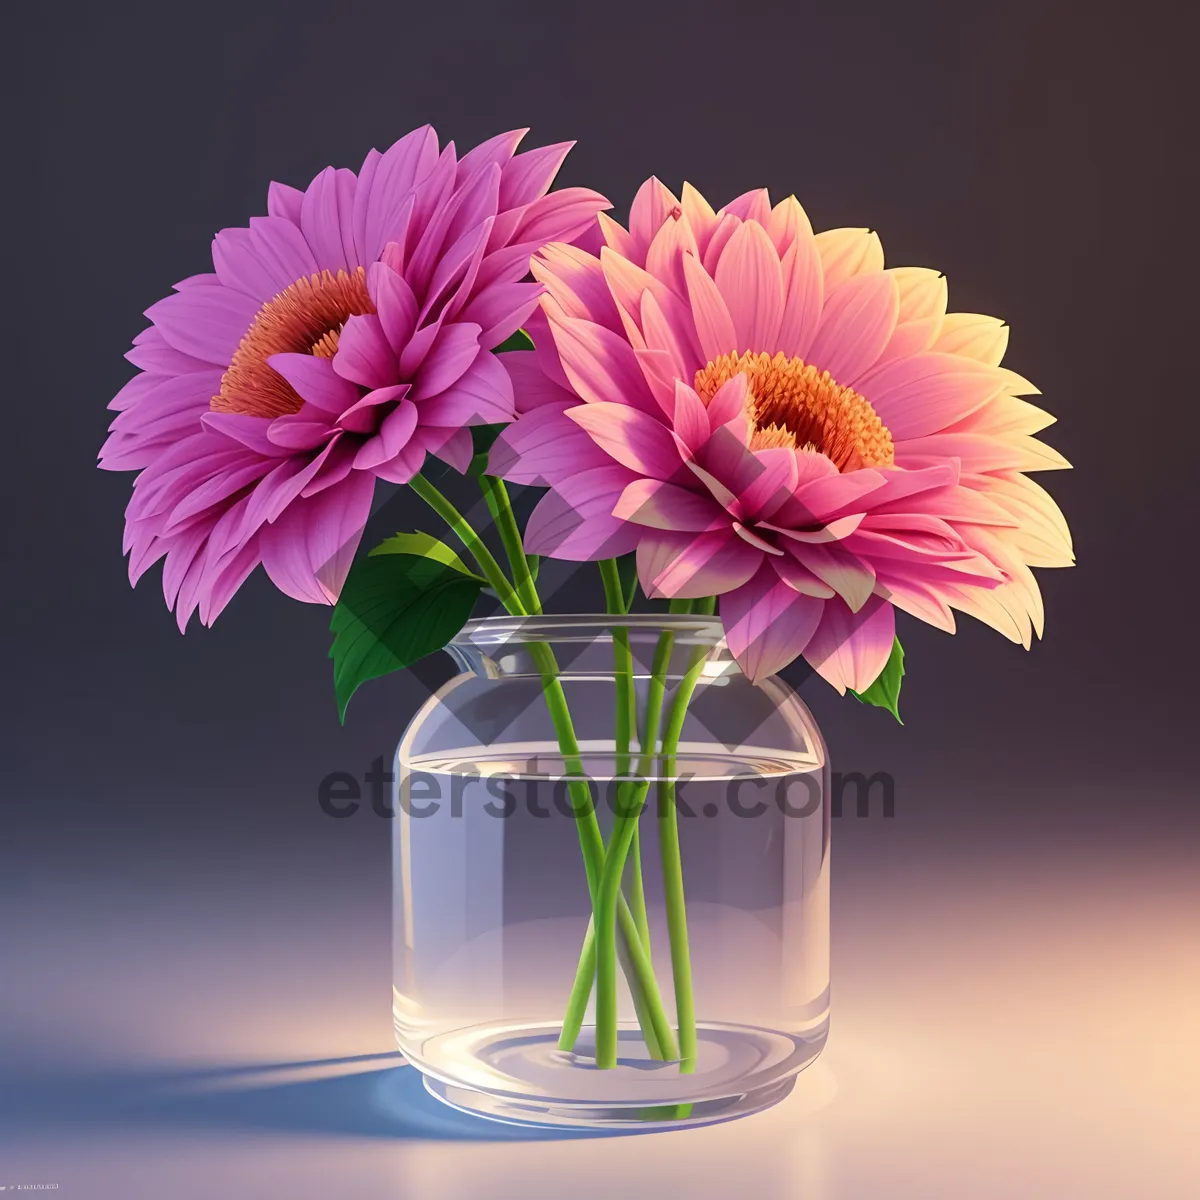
(492, 900)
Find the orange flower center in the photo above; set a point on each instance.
(305, 318)
(792, 404)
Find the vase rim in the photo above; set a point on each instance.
(567, 627)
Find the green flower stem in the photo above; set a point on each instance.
(626, 723)
(496, 496)
(491, 569)
(642, 983)
(609, 893)
(672, 860)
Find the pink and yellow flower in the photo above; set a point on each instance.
(338, 340)
(772, 416)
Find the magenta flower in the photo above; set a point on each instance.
(340, 339)
(772, 417)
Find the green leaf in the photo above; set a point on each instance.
(423, 545)
(518, 341)
(885, 691)
(627, 570)
(395, 608)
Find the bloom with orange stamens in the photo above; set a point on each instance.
(771, 416)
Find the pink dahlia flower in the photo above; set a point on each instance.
(773, 417)
(339, 340)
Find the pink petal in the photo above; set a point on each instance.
(249, 431)
(575, 522)
(366, 414)
(664, 257)
(576, 282)
(630, 436)
(600, 364)
(749, 281)
(561, 216)
(326, 219)
(530, 175)
(925, 393)
(453, 352)
(364, 355)
(300, 431)
(803, 296)
(700, 216)
(800, 578)
(544, 447)
(284, 201)
(647, 213)
(850, 649)
(207, 321)
(918, 599)
(691, 565)
(714, 326)
(532, 387)
(394, 434)
(768, 623)
(851, 577)
(395, 303)
(661, 505)
(482, 396)
(453, 446)
(857, 320)
(308, 549)
(772, 487)
(690, 417)
(315, 380)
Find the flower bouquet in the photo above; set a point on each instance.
(767, 441)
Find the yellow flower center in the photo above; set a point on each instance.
(792, 404)
(305, 318)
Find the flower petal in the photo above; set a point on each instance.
(768, 623)
(749, 280)
(691, 565)
(850, 649)
(631, 437)
(574, 521)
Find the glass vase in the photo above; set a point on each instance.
(611, 877)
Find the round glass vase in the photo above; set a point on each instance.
(517, 784)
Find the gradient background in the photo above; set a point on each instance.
(1017, 952)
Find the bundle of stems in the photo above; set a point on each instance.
(618, 930)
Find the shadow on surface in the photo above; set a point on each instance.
(334, 1097)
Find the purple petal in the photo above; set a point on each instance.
(544, 447)
(393, 436)
(575, 521)
(308, 549)
(483, 396)
(207, 321)
(452, 353)
(314, 379)
(326, 219)
(285, 201)
(364, 355)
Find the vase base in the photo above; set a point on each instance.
(520, 1077)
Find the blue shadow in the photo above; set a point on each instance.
(387, 1102)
